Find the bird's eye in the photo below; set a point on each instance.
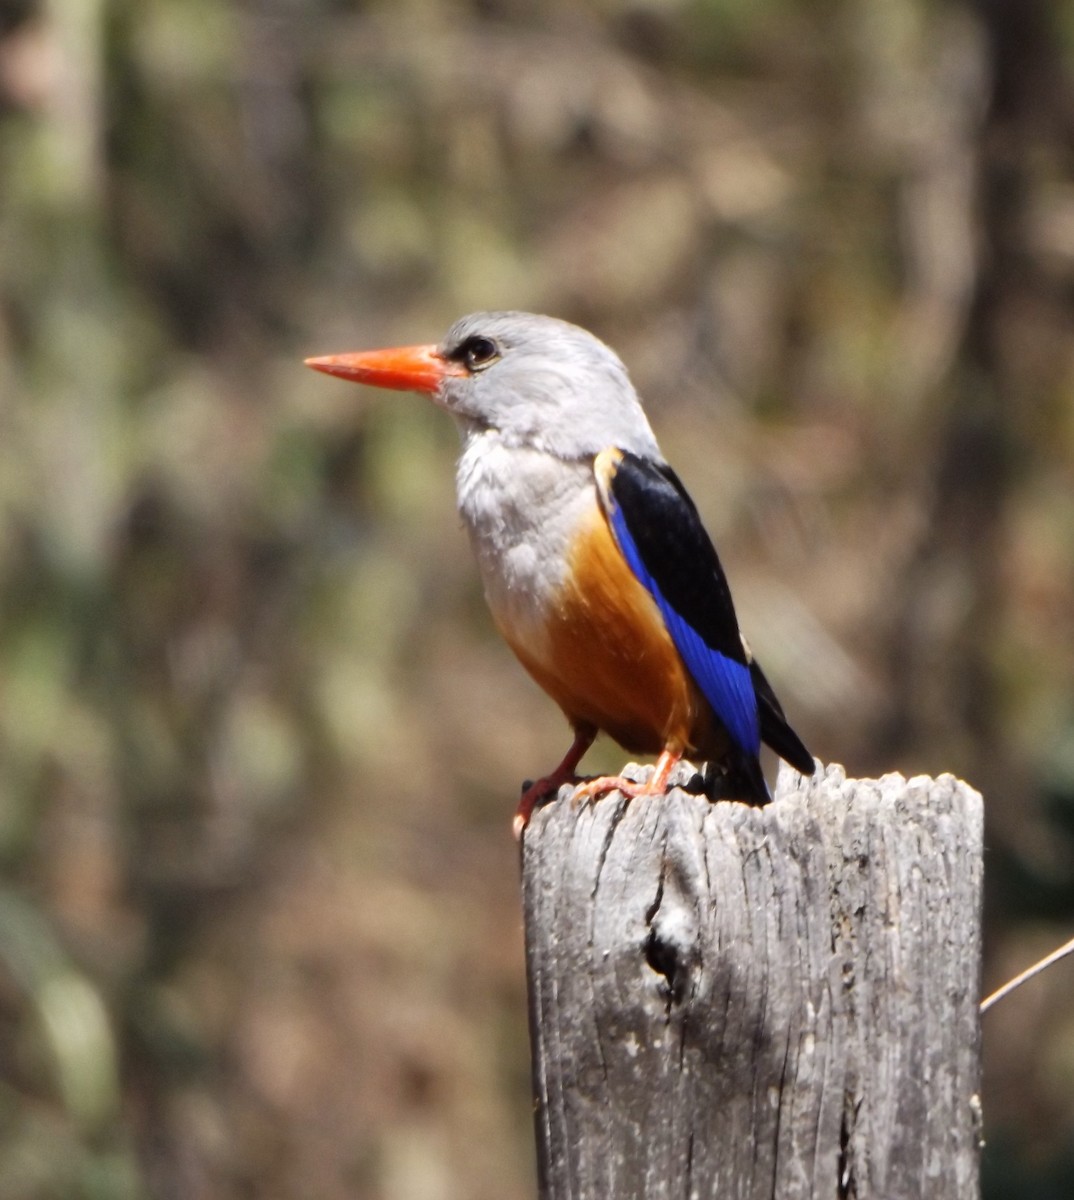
(478, 352)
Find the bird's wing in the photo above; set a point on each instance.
(665, 544)
(775, 731)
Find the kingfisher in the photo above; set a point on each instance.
(596, 566)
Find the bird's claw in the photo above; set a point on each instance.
(532, 796)
(593, 789)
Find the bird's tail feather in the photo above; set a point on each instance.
(740, 778)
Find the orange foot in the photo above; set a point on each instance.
(550, 784)
(593, 789)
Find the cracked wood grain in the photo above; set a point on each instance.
(757, 1003)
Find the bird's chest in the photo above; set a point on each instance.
(566, 600)
(522, 509)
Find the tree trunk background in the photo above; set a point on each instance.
(758, 1002)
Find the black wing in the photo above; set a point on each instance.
(661, 536)
(775, 731)
(659, 530)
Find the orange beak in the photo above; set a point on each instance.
(404, 369)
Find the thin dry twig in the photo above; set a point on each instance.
(1028, 973)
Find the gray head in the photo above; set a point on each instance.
(544, 383)
(535, 380)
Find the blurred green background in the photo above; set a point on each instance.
(259, 745)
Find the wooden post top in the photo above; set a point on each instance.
(730, 1001)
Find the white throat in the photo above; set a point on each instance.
(521, 507)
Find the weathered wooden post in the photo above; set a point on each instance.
(740, 1002)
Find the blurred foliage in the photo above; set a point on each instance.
(258, 743)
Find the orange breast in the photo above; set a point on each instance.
(608, 659)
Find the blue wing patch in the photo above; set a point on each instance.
(725, 682)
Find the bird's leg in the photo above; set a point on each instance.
(656, 786)
(584, 736)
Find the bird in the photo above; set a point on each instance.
(595, 563)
